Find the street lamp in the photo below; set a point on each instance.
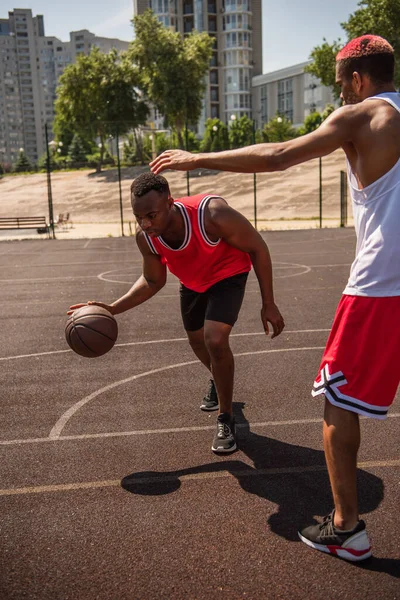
(279, 120)
(215, 128)
(233, 117)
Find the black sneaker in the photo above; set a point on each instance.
(224, 439)
(210, 400)
(351, 545)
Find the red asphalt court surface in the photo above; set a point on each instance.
(109, 488)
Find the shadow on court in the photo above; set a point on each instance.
(291, 476)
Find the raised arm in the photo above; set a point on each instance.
(335, 132)
(224, 222)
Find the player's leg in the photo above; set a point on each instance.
(224, 302)
(197, 343)
(341, 432)
(216, 336)
(193, 309)
(358, 376)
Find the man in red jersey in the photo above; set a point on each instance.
(210, 247)
(359, 372)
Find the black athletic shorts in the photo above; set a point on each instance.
(221, 302)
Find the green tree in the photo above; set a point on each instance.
(278, 129)
(241, 132)
(311, 123)
(329, 108)
(376, 17)
(22, 165)
(98, 95)
(215, 134)
(78, 150)
(172, 70)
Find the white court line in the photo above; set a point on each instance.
(87, 243)
(48, 279)
(306, 269)
(336, 265)
(63, 420)
(234, 474)
(88, 263)
(162, 341)
(141, 432)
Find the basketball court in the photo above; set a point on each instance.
(109, 488)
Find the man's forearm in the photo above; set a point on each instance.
(251, 159)
(141, 291)
(263, 269)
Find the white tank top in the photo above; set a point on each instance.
(376, 209)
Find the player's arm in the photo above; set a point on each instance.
(152, 279)
(337, 130)
(150, 282)
(224, 222)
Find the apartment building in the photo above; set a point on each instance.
(237, 54)
(290, 92)
(30, 66)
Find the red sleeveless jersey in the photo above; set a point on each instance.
(199, 262)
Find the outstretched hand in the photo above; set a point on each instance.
(178, 160)
(75, 307)
(270, 314)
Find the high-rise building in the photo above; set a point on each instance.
(237, 54)
(290, 92)
(30, 66)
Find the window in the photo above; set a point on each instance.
(285, 98)
(264, 104)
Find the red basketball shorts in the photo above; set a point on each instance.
(360, 368)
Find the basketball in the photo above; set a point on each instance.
(91, 331)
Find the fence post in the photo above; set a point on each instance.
(343, 199)
(119, 183)
(49, 193)
(255, 181)
(187, 150)
(320, 192)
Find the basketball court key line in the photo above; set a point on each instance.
(63, 420)
(162, 341)
(141, 432)
(250, 472)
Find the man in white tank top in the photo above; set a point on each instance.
(359, 372)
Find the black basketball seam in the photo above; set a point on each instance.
(71, 343)
(95, 331)
(86, 346)
(110, 318)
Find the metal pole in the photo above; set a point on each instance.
(119, 183)
(49, 194)
(187, 149)
(320, 192)
(255, 180)
(343, 199)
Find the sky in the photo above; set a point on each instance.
(291, 28)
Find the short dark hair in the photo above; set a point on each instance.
(368, 55)
(146, 182)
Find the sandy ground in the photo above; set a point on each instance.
(285, 200)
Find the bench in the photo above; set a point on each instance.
(38, 223)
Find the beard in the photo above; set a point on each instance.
(351, 98)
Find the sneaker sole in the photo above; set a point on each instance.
(208, 408)
(348, 554)
(220, 450)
